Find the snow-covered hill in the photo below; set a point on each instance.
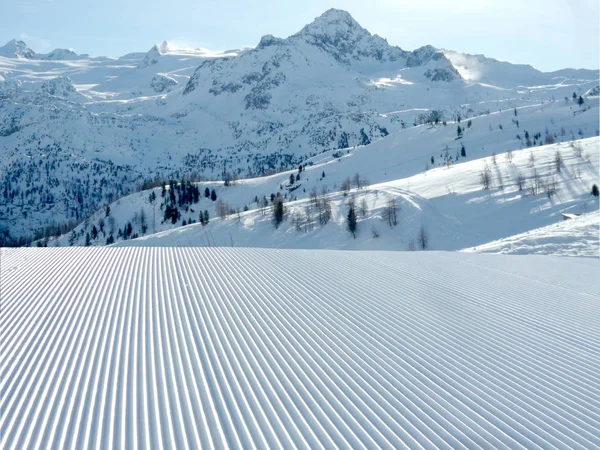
(76, 131)
(526, 192)
(248, 348)
(577, 237)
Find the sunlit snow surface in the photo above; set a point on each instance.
(577, 237)
(245, 348)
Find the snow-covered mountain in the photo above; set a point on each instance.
(16, 49)
(76, 132)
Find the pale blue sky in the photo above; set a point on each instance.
(549, 34)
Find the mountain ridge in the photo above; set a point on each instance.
(176, 112)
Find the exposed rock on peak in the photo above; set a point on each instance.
(337, 33)
(269, 40)
(60, 54)
(60, 87)
(162, 83)
(151, 57)
(17, 49)
(421, 56)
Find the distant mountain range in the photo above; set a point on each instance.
(77, 131)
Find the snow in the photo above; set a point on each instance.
(16, 49)
(579, 236)
(232, 348)
(107, 125)
(450, 202)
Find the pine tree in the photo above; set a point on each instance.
(595, 190)
(107, 210)
(94, 232)
(423, 238)
(463, 152)
(277, 211)
(351, 219)
(152, 201)
(88, 240)
(213, 195)
(580, 101)
(205, 217)
(206, 192)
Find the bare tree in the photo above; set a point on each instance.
(551, 187)
(364, 208)
(357, 180)
(375, 232)
(509, 156)
(494, 160)
(500, 180)
(536, 185)
(314, 199)
(485, 177)
(558, 161)
(308, 224)
(520, 180)
(297, 219)
(531, 159)
(222, 209)
(324, 208)
(423, 238)
(264, 204)
(390, 212)
(577, 149)
(346, 185)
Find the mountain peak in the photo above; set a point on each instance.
(59, 54)
(334, 14)
(17, 49)
(337, 33)
(333, 22)
(163, 48)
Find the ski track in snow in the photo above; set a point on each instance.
(241, 348)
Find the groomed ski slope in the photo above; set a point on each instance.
(243, 348)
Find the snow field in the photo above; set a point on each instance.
(577, 237)
(218, 347)
(450, 202)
